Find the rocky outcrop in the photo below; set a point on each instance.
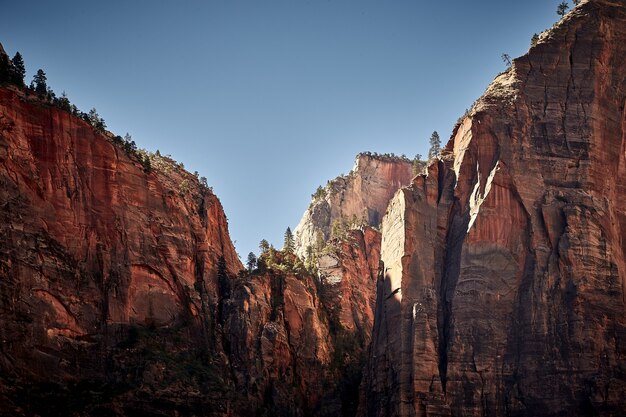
(93, 247)
(503, 292)
(348, 275)
(361, 195)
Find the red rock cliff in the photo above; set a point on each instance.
(505, 275)
(91, 244)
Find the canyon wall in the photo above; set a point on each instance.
(93, 244)
(362, 195)
(503, 290)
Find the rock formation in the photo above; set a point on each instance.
(92, 245)
(362, 195)
(503, 292)
(497, 286)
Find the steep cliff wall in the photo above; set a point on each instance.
(363, 195)
(91, 245)
(503, 292)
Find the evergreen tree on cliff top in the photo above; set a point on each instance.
(40, 81)
(264, 246)
(19, 69)
(289, 245)
(435, 145)
(251, 262)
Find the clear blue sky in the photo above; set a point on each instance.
(269, 99)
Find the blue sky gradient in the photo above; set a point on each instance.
(269, 99)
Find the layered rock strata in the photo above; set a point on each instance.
(503, 292)
(92, 244)
(362, 195)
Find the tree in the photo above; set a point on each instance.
(506, 58)
(64, 103)
(435, 145)
(39, 80)
(264, 246)
(19, 70)
(251, 262)
(289, 245)
(534, 40)
(417, 164)
(575, 2)
(562, 8)
(95, 120)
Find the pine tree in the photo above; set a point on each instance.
(561, 9)
(418, 165)
(251, 262)
(289, 245)
(534, 40)
(19, 70)
(39, 80)
(435, 145)
(264, 246)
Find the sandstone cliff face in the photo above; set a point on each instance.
(362, 194)
(348, 278)
(297, 343)
(503, 292)
(92, 245)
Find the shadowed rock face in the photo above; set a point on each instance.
(91, 246)
(503, 291)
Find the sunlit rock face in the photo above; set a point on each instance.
(503, 290)
(362, 195)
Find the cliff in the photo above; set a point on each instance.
(504, 284)
(93, 246)
(361, 196)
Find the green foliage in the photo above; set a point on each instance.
(319, 193)
(289, 243)
(264, 246)
(534, 40)
(19, 70)
(39, 81)
(251, 261)
(342, 225)
(147, 165)
(384, 156)
(417, 164)
(435, 145)
(183, 188)
(63, 103)
(561, 9)
(94, 119)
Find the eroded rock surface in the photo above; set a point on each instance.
(91, 246)
(503, 292)
(362, 194)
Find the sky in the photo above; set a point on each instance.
(269, 99)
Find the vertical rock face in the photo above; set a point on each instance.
(348, 277)
(504, 281)
(363, 195)
(91, 245)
